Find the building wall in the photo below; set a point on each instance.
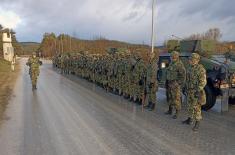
(8, 50)
(6, 37)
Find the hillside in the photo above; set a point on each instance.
(29, 47)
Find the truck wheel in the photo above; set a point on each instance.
(210, 99)
(231, 100)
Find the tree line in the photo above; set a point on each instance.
(52, 45)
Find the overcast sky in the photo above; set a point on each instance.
(125, 20)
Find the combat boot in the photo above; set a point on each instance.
(33, 87)
(188, 121)
(169, 112)
(196, 126)
(119, 92)
(134, 99)
(148, 106)
(176, 114)
(152, 107)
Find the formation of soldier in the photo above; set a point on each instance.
(121, 73)
(129, 75)
(34, 63)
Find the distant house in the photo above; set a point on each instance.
(7, 50)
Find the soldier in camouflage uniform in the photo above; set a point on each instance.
(115, 74)
(138, 74)
(34, 63)
(62, 64)
(127, 75)
(151, 81)
(195, 83)
(176, 75)
(120, 73)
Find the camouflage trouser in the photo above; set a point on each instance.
(110, 81)
(93, 76)
(121, 82)
(138, 90)
(62, 68)
(104, 80)
(174, 95)
(127, 85)
(194, 105)
(34, 76)
(152, 96)
(115, 82)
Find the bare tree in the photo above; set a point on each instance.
(211, 34)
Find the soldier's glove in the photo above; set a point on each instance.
(141, 82)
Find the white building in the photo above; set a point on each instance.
(8, 50)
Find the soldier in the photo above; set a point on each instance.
(34, 63)
(138, 73)
(195, 83)
(151, 82)
(120, 73)
(176, 75)
(127, 75)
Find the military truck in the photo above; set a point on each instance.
(220, 75)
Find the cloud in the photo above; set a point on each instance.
(126, 20)
(9, 19)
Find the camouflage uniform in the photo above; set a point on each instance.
(151, 82)
(127, 76)
(34, 63)
(195, 83)
(120, 73)
(176, 75)
(115, 74)
(138, 79)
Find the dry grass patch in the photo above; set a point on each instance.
(7, 82)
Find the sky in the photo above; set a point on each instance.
(124, 20)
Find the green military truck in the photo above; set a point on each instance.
(220, 74)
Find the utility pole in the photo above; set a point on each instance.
(153, 25)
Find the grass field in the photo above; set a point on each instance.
(7, 81)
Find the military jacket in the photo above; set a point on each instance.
(196, 78)
(176, 72)
(34, 63)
